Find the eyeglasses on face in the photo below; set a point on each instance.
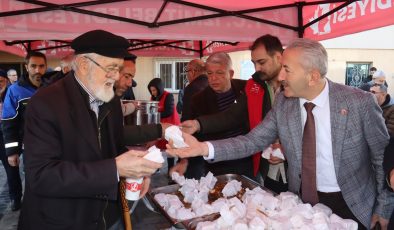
(109, 70)
(374, 92)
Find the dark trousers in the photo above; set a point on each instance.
(195, 168)
(275, 186)
(338, 205)
(13, 177)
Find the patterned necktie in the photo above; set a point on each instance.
(308, 176)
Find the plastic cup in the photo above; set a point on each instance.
(133, 188)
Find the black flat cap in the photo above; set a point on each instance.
(101, 42)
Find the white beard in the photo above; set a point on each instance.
(105, 94)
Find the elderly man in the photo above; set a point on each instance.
(260, 91)
(12, 75)
(386, 102)
(73, 143)
(378, 78)
(336, 159)
(221, 93)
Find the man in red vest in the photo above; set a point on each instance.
(260, 90)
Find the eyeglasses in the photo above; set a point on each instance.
(109, 70)
(374, 92)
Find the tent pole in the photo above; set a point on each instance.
(200, 49)
(300, 29)
(28, 46)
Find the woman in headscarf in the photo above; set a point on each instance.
(167, 109)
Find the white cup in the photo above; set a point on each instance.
(133, 188)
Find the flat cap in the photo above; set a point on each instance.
(101, 42)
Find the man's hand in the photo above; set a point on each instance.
(131, 164)
(13, 160)
(190, 126)
(195, 148)
(145, 186)
(275, 160)
(382, 221)
(180, 167)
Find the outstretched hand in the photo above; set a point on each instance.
(195, 148)
(190, 126)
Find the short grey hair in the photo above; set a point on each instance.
(220, 58)
(314, 55)
(11, 71)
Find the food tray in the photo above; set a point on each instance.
(214, 194)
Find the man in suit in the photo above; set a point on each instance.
(348, 137)
(74, 151)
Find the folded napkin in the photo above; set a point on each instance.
(175, 134)
(154, 154)
(274, 152)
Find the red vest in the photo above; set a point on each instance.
(255, 93)
(174, 118)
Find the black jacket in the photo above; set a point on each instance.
(71, 176)
(388, 165)
(13, 117)
(197, 85)
(205, 103)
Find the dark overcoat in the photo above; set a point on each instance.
(71, 176)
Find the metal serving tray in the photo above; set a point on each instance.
(214, 194)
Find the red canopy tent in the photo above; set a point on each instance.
(189, 28)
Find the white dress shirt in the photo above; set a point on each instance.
(325, 171)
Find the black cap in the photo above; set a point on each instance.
(3, 74)
(101, 42)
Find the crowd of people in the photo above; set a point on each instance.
(333, 137)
